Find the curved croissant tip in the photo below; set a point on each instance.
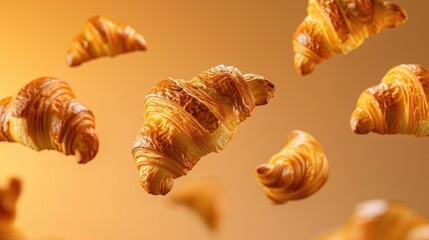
(155, 186)
(303, 64)
(141, 43)
(71, 60)
(360, 125)
(263, 168)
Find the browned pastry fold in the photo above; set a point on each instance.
(299, 170)
(340, 26)
(102, 37)
(380, 220)
(46, 115)
(398, 105)
(8, 199)
(206, 197)
(185, 120)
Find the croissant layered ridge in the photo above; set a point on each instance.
(187, 119)
(299, 170)
(398, 105)
(45, 114)
(340, 26)
(102, 37)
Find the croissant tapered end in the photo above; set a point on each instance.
(86, 146)
(156, 181)
(262, 89)
(393, 15)
(270, 176)
(304, 65)
(361, 122)
(102, 37)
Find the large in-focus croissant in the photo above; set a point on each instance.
(398, 105)
(380, 220)
(102, 37)
(339, 26)
(185, 120)
(8, 199)
(46, 115)
(299, 170)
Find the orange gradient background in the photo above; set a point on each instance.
(103, 199)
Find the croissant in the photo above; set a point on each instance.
(339, 26)
(379, 220)
(102, 37)
(299, 170)
(8, 199)
(398, 105)
(46, 115)
(420, 233)
(206, 197)
(185, 120)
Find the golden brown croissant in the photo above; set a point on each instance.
(102, 37)
(206, 197)
(399, 104)
(8, 199)
(185, 120)
(379, 220)
(339, 26)
(299, 170)
(46, 115)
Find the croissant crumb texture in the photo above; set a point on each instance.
(102, 37)
(204, 196)
(340, 26)
(46, 115)
(381, 220)
(187, 119)
(299, 170)
(398, 105)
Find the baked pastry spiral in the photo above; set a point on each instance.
(340, 26)
(8, 199)
(398, 105)
(299, 170)
(46, 115)
(206, 197)
(185, 120)
(380, 220)
(102, 37)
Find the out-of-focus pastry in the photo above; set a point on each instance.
(8, 199)
(340, 26)
(46, 115)
(206, 197)
(187, 119)
(299, 170)
(419, 233)
(398, 105)
(102, 37)
(379, 220)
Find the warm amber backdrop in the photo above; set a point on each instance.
(103, 199)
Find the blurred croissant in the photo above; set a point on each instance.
(46, 115)
(185, 120)
(380, 220)
(340, 26)
(102, 37)
(398, 105)
(8, 199)
(299, 170)
(206, 197)
(419, 233)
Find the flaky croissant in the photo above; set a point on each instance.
(102, 37)
(185, 120)
(206, 197)
(46, 115)
(379, 220)
(299, 170)
(398, 105)
(8, 199)
(340, 26)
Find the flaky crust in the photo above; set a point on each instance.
(102, 37)
(379, 220)
(398, 105)
(46, 115)
(299, 170)
(339, 26)
(185, 120)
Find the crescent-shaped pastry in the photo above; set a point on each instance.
(380, 220)
(340, 26)
(46, 115)
(206, 197)
(8, 199)
(398, 105)
(102, 37)
(299, 170)
(185, 120)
